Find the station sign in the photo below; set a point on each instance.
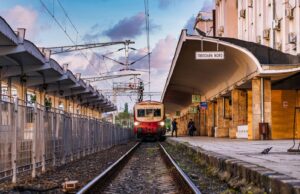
(210, 55)
(203, 105)
(193, 109)
(177, 113)
(196, 98)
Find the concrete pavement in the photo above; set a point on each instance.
(278, 159)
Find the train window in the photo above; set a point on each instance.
(157, 112)
(141, 112)
(149, 112)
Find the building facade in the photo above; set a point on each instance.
(252, 91)
(273, 23)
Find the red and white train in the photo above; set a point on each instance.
(149, 120)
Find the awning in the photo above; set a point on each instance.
(211, 78)
(21, 59)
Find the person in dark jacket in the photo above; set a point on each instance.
(174, 127)
(191, 127)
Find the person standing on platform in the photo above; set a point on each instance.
(174, 127)
(191, 127)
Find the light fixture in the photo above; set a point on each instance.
(162, 123)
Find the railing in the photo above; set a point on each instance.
(33, 138)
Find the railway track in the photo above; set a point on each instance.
(145, 168)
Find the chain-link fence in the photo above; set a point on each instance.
(33, 138)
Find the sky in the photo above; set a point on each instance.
(92, 21)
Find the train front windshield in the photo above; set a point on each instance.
(149, 112)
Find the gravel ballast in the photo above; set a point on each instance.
(82, 170)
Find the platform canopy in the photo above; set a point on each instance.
(22, 60)
(212, 67)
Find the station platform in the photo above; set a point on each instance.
(278, 159)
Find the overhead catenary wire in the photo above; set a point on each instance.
(75, 42)
(68, 35)
(147, 15)
(68, 18)
(103, 58)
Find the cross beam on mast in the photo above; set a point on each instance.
(129, 94)
(78, 47)
(106, 77)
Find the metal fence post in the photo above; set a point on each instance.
(72, 135)
(79, 120)
(33, 173)
(111, 135)
(14, 140)
(88, 138)
(63, 159)
(53, 139)
(44, 140)
(83, 138)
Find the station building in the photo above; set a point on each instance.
(243, 65)
(29, 72)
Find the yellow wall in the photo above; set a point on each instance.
(283, 106)
(249, 94)
(223, 123)
(282, 117)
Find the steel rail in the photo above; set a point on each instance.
(93, 182)
(185, 177)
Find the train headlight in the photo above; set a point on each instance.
(162, 123)
(136, 123)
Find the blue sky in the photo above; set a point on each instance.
(107, 20)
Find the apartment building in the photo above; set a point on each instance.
(273, 23)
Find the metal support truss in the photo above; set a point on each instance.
(64, 49)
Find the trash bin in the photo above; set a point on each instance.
(264, 131)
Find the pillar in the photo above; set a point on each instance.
(239, 110)
(66, 104)
(223, 121)
(73, 106)
(209, 119)
(40, 97)
(261, 105)
(55, 101)
(21, 93)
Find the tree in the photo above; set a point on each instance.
(124, 118)
(126, 108)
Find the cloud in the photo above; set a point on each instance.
(190, 25)
(161, 55)
(163, 52)
(22, 17)
(161, 58)
(93, 34)
(76, 61)
(127, 27)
